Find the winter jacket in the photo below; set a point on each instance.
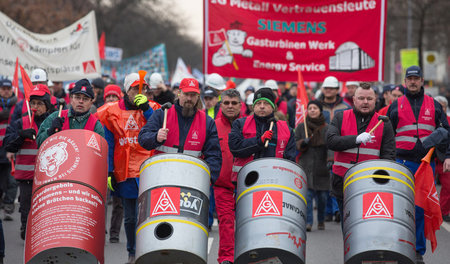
(6, 109)
(211, 149)
(245, 147)
(329, 110)
(75, 122)
(416, 101)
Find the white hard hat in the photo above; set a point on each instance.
(131, 80)
(331, 82)
(272, 84)
(50, 83)
(155, 79)
(249, 100)
(38, 75)
(215, 81)
(352, 83)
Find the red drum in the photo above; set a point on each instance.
(66, 223)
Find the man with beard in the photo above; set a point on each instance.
(249, 134)
(189, 130)
(419, 123)
(122, 120)
(348, 136)
(223, 188)
(76, 117)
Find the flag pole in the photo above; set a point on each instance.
(304, 122)
(229, 51)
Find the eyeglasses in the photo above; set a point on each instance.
(81, 98)
(37, 103)
(230, 102)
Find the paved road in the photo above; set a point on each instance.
(323, 247)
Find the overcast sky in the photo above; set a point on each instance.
(192, 10)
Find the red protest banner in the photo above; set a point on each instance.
(273, 39)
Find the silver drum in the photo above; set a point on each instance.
(173, 210)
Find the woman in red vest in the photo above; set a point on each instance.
(20, 139)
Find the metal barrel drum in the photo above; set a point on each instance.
(271, 212)
(379, 213)
(66, 223)
(173, 210)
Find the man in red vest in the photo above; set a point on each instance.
(76, 117)
(19, 140)
(417, 119)
(123, 120)
(249, 134)
(223, 188)
(348, 136)
(189, 130)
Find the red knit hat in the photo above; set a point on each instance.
(112, 89)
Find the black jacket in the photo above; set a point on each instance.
(245, 147)
(416, 100)
(13, 142)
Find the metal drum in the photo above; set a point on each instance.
(173, 210)
(271, 212)
(66, 223)
(379, 213)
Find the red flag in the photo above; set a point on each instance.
(302, 100)
(114, 73)
(15, 82)
(344, 89)
(426, 197)
(101, 46)
(26, 83)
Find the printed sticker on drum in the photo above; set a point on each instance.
(267, 203)
(165, 201)
(378, 205)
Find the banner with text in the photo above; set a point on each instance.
(272, 39)
(68, 54)
(152, 60)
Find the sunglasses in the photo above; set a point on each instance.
(230, 102)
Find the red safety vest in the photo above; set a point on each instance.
(408, 129)
(195, 138)
(223, 129)
(343, 160)
(4, 124)
(90, 124)
(249, 131)
(26, 156)
(125, 125)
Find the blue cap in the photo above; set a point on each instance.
(83, 86)
(6, 83)
(413, 71)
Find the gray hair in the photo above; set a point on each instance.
(231, 93)
(441, 99)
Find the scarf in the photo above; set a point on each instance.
(315, 130)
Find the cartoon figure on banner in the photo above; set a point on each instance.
(232, 43)
(52, 158)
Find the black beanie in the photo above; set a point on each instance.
(266, 94)
(317, 103)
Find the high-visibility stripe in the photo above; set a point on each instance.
(406, 138)
(167, 149)
(173, 221)
(365, 151)
(23, 167)
(380, 168)
(5, 125)
(27, 152)
(346, 165)
(380, 177)
(236, 168)
(2, 137)
(272, 186)
(415, 127)
(175, 160)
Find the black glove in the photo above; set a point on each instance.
(435, 138)
(305, 142)
(27, 133)
(330, 165)
(56, 126)
(112, 183)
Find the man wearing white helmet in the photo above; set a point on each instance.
(351, 88)
(38, 76)
(161, 93)
(331, 103)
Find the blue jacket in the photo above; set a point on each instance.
(245, 147)
(211, 149)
